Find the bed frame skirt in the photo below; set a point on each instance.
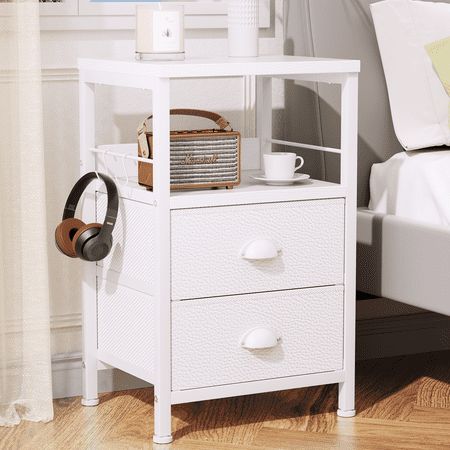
(404, 260)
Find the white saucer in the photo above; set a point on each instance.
(286, 182)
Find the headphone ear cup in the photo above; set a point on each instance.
(65, 233)
(90, 231)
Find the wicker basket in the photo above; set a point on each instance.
(199, 159)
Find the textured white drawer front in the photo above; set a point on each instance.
(126, 325)
(207, 242)
(132, 257)
(206, 336)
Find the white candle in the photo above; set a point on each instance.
(243, 21)
(160, 31)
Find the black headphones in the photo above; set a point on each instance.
(93, 241)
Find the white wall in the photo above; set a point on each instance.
(118, 114)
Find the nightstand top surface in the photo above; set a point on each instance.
(222, 66)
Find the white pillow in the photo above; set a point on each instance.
(419, 102)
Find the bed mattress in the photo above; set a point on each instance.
(413, 185)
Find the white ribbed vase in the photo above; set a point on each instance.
(243, 27)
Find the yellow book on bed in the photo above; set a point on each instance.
(439, 53)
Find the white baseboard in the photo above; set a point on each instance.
(376, 338)
(66, 371)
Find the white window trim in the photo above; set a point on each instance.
(64, 8)
(86, 15)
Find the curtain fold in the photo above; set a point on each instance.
(25, 356)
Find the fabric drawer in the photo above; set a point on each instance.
(131, 260)
(126, 326)
(209, 248)
(208, 335)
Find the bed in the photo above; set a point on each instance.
(404, 237)
(404, 234)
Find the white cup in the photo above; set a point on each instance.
(281, 165)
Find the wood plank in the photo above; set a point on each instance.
(403, 403)
(387, 388)
(190, 444)
(288, 439)
(277, 439)
(313, 409)
(423, 414)
(434, 391)
(234, 420)
(434, 372)
(404, 434)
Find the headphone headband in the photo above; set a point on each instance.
(112, 207)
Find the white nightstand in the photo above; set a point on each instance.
(178, 302)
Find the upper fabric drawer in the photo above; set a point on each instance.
(256, 248)
(131, 261)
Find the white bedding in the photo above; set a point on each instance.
(414, 185)
(419, 102)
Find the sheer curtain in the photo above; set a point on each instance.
(25, 359)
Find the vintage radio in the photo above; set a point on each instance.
(199, 159)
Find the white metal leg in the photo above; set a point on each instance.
(88, 292)
(264, 114)
(161, 140)
(349, 146)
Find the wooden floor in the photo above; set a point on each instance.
(402, 403)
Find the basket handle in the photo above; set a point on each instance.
(219, 120)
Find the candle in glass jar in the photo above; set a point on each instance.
(160, 31)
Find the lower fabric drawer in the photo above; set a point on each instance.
(126, 327)
(227, 340)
